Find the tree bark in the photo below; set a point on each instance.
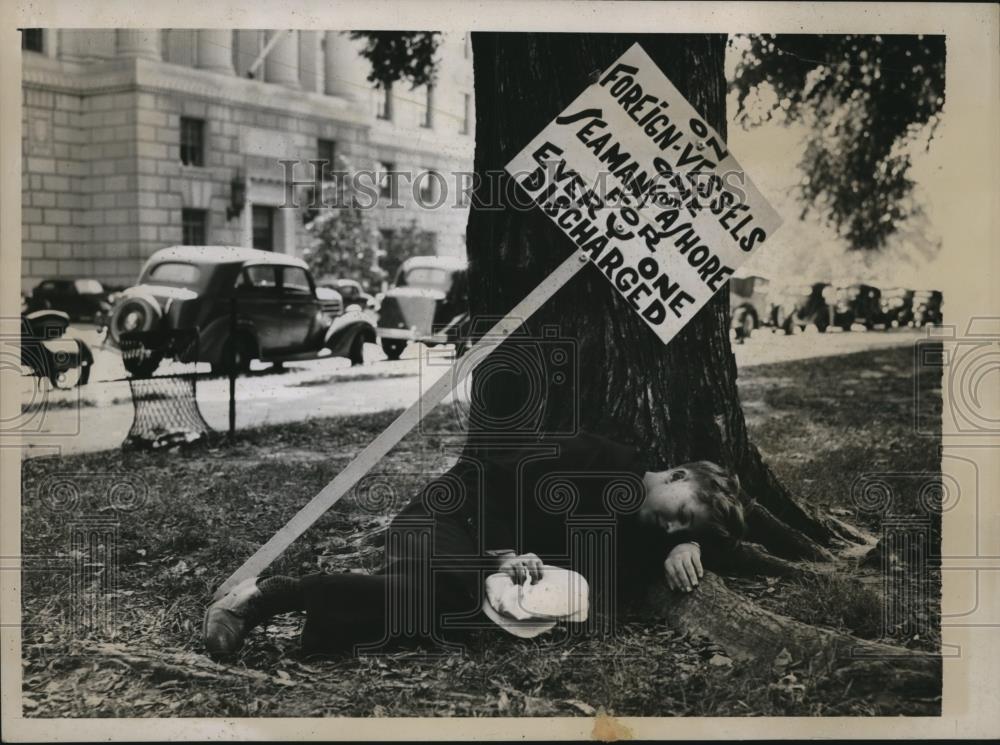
(747, 631)
(677, 403)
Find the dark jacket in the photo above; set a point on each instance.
(570, 500)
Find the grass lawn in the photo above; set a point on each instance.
(820, 423)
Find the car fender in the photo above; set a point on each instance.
(342, 332)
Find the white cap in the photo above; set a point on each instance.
(534, 608)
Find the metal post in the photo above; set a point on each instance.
(232, 369)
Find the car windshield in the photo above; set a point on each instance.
(175, 273)
(426, 277)
(88, 287)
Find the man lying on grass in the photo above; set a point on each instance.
(486, 514)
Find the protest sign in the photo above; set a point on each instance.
(647, 191)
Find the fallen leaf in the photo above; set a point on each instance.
(581, 706)
(781, 661)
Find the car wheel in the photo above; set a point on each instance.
(141, 362)
(393, 348)
(742, 325)
(234, 359)
(66, 380)
(779, 318)
(133, 315)
(356, 354)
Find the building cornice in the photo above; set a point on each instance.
(125, 75)
(122, 75)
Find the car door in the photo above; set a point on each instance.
(259, 301)
(299, 308)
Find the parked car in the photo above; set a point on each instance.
(350, 290)
(801, 305)
(280, 313)
(749, 304)
(858, 303)
(429, 303)
(927, 307)
(897, 307)
(80, 299)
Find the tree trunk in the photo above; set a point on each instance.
(677, 402)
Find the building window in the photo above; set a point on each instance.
(194, 227)
(385, 102)
(428, 119)
(32, 40)
(387, 180)
(192, 141)
(326, 151)
(427, 179)
(466, 113)
(263, 227)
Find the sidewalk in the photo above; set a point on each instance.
(99, 415)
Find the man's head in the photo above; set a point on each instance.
(699, 499)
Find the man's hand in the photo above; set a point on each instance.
(683, 567)
(520, 568)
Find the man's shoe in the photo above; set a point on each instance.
(229, 619)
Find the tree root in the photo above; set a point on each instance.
(183, 665)
(749, 559)
(779, 538)
(749, 632)
(848, 532)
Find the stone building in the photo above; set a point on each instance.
(138, 139)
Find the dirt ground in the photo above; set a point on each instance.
(119, 636)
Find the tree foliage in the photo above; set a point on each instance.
(344, 243)
(865, 98)
(344, 239)
(400, 55)
(399, 245)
